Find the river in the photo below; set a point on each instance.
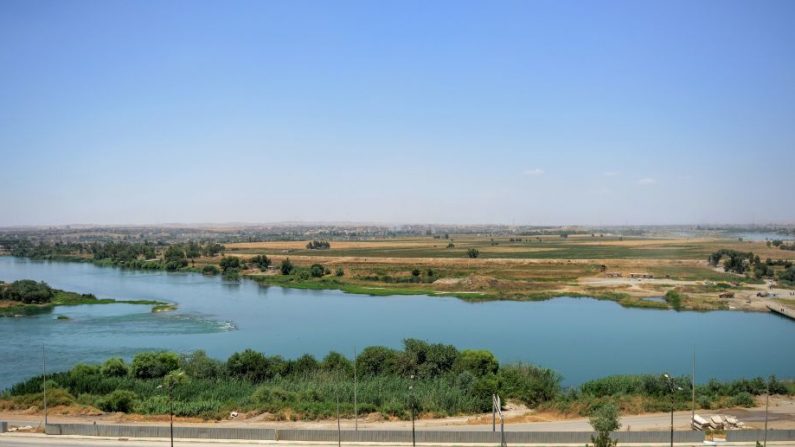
(580, 338)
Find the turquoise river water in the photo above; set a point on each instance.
(580, 338)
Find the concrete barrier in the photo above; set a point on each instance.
(759, 435)
(157, 431)
(364, 436)
(3, 426)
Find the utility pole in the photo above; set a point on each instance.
(355, 403)
(171, 413)
(673, 388)
(767, 402)
(411, 405)
(44, 383)
(693, 386)
(339, 430)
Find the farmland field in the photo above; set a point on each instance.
(525, 268)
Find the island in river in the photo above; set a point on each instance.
(27, 297)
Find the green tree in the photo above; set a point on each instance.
(287, 267)
(250, 365)
(305, 365)
(604, 420)
(193, 250)
(230, 262)
(473, 253)
(674, 299)
(377, 360)
(478, 362)
(118, 401)
(316, 270)
(28, 292)
(153, 365)
(261, 261)
(336, 362)
(528, 383)
(114, 367)
(175, 257)
(199, 365)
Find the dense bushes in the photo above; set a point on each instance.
(261, 261)
(27, 291)
(674, 299)
(153, 365)
(119, 400)
(250, 365)
(444, 381)
(114, 367)
(652, 393)
(141, 255)
(210, 269)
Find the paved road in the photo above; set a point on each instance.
(7, 440)
(780, 418)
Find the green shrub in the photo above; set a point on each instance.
(210, 269)
(152, 365)
(743, 399)
(287, 267)
(273, 398)
(118, 401)
(199, 365)
(377, 360)
(317, 270)
(674, 299)
(334, 362)
(249, 365)
(261, 261)
(530, 384)
(304, 365)
(478, 362)
(27, 291)
(82, 371)
(230, 262)
(114, 367)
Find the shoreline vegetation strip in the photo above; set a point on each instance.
(432, 379)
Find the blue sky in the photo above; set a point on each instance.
(529, 112)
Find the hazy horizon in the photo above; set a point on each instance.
(513, 113)
(706, 225)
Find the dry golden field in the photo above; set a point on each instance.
(525, 268)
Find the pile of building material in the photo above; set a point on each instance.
(716, 422)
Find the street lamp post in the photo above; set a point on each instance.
(169, 387)
(767, 403)
(673, 388)
(44, 384)
(411, 407)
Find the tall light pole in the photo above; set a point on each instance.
(411, 407)
(355, 403)
(169, 387)
(693, 387)
(339, 429)
(44, 384)
(767, 401)
(673, 388)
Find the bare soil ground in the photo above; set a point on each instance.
(517, 417)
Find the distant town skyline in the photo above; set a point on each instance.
(510, 112)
